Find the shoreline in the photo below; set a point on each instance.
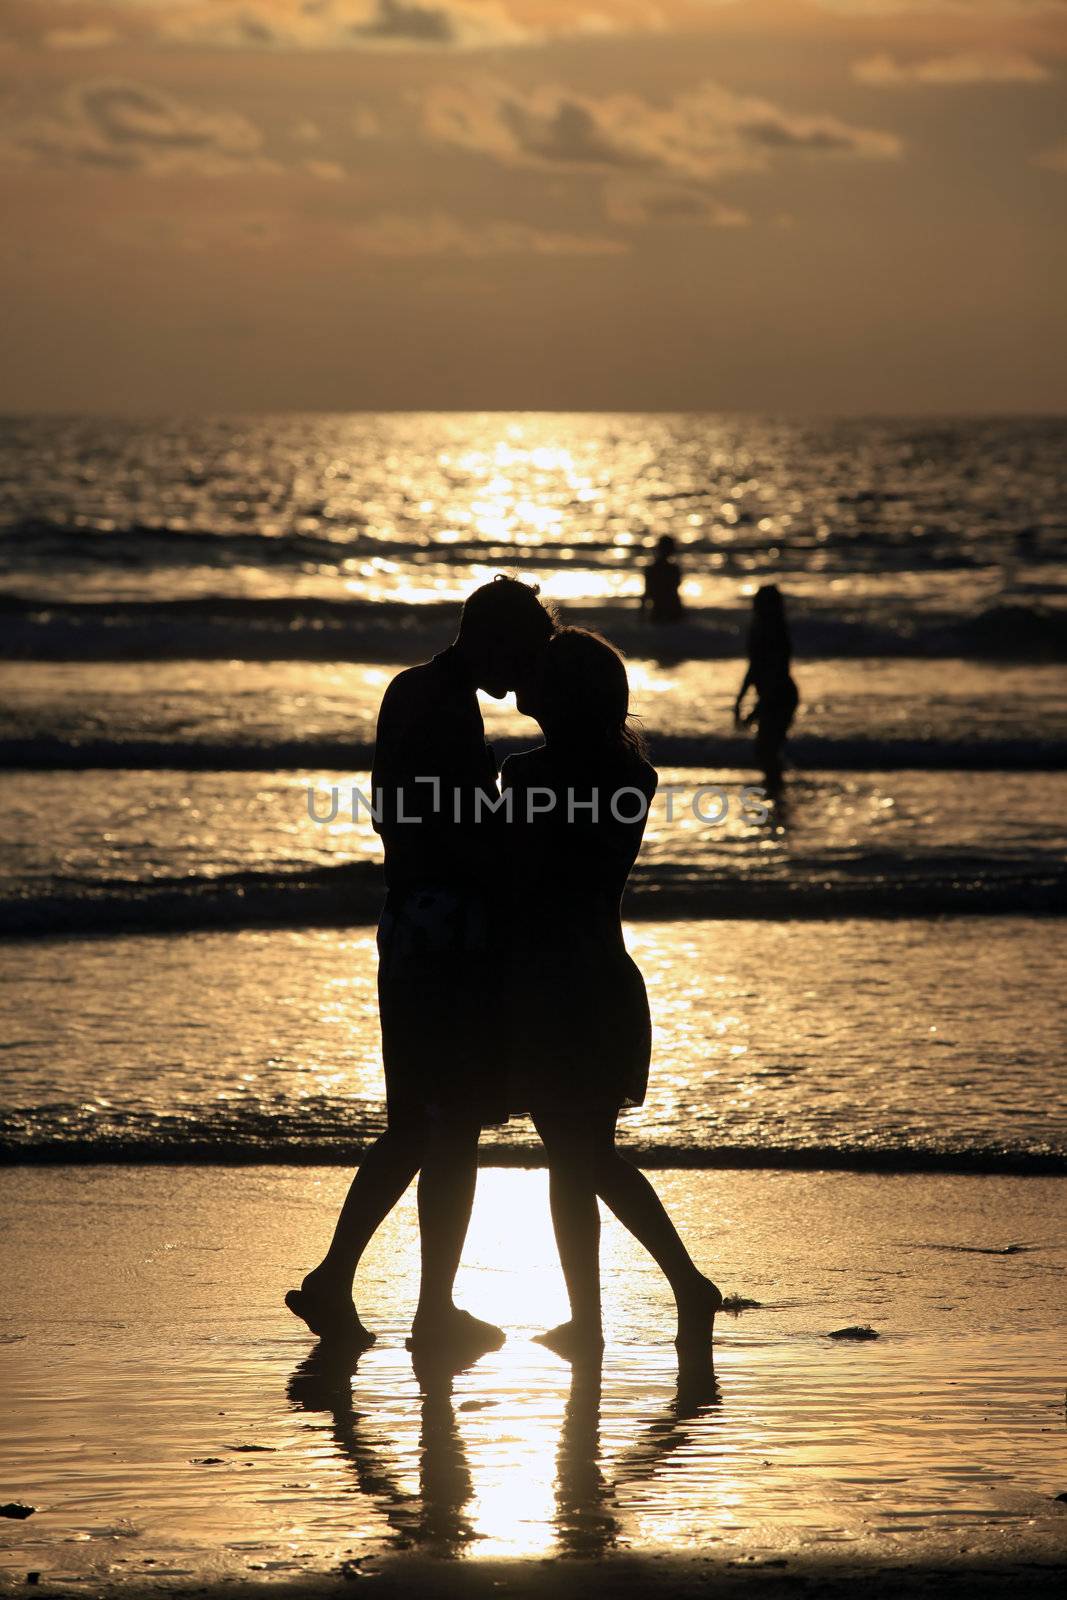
(876, 1163)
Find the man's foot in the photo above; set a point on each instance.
(455, 1335)
(696, 1315)
(574, 1341)
(329, 1313)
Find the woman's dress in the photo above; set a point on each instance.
(580, 1032)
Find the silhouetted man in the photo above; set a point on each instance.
(662, 599)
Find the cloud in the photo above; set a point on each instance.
(960, 8)
(338, 24)
(130, 127)
(89, 36)
(885, 72)
(326, 171)
(394, 235)
(1054, 159)
(418, 25)
(697, 137)
(365, 123)
(404, 23)
(636, 204)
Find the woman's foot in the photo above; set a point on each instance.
(453, 1334)
(696, 1315)
(574, 1341)
(327, 1309)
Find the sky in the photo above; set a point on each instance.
(792, 206)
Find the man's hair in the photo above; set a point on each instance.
(509, 611)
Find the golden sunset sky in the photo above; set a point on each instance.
(780, 205)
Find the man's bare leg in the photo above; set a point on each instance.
(324, 1299)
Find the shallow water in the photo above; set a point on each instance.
(233, 707)
(850, 1038)
(100, 839)
(166, 824)
(146, 1349)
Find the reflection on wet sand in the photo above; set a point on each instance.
(439, 1517)
(585, 1521)
(146, 1367)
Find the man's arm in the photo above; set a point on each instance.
(421, 762)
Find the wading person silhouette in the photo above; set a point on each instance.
(770, 657)
(579, 1036)
(436, 977)
(662, 600)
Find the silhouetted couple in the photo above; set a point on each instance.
(504, 984)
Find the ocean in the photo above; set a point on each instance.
(200, 617)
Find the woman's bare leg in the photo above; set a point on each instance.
(627, 1192)
(576, 1221)
(589, 1138)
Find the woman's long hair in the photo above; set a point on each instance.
(769, 631)
(587, 694)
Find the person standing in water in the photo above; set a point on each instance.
(662, 600)
(770, 657)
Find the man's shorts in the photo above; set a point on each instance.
(439, 999)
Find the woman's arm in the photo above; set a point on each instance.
(747, 683)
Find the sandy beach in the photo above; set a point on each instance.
(173, 1427)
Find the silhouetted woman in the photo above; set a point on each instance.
(579, 1040)
(662, 600)
(770, 657)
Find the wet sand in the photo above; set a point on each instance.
(174, 1429)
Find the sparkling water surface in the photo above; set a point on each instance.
(250, 705)
(76, 832)
(958, 514)
(928, 774)
(853, 1035)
